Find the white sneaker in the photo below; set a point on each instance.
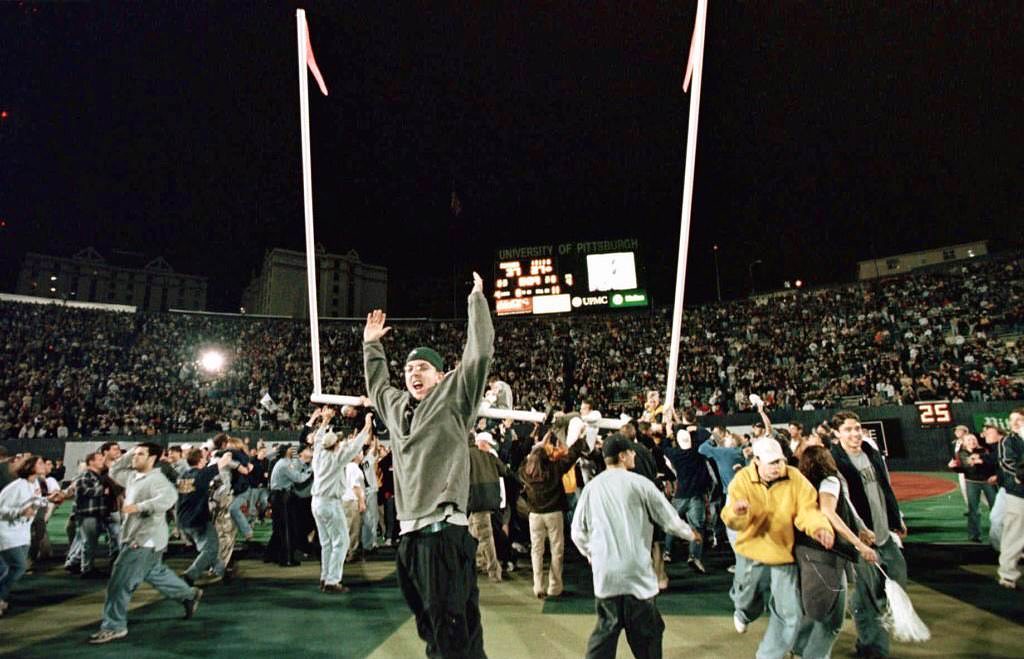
(697, 565)
(737, 622)
(107, 635)
(731, 569)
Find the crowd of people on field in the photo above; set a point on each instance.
(807, 513)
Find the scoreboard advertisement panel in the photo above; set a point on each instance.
(569, 277)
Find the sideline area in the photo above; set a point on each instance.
(273, 611)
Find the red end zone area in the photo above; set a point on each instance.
(910, 486)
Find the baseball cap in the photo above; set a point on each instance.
(486, 437)
(767, 450)
(615, 444)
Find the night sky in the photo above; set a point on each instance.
(829, 134)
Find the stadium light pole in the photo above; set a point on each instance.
(750, 271)
(697, 62)
(718, 279)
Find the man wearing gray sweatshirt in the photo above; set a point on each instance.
(330, 457)
(428, 424)
(148, 497)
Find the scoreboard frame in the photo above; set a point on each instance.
(556, 278)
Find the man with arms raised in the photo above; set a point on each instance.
(428, 424)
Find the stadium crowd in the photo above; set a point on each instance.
(807, 515)
(80, 372)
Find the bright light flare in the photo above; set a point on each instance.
(212, 361)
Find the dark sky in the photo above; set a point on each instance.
(829, 133)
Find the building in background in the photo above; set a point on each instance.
(133, 279)
(901, 264)
(347, 287)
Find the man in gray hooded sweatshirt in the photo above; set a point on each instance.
(148, 497)
(428, 424)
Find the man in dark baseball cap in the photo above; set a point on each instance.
(613, 527)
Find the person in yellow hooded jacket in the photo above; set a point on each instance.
(768, 502)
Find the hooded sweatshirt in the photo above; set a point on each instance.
(153, 494)
(428, 438)
(329, 464)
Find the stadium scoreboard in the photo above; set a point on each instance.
(568, 278)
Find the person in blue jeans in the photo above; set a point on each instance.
(18, 506)
(240, 490)
(193, 512)
(693, 484)
(148, 497)
(979, 472)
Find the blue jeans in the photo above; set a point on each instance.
(995, 519)
(869, 601)
(16, 561)
(691, 509)
(757, 586)
(89, 534)
(132, 567)
(113, 524)
(974, 491)
(258, 499)
(370, 517)
(235, 508)
(205, 539)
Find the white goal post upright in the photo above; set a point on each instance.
(314, 320)
(307, 197)
(697, 62)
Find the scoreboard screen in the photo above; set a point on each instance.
(570, 277)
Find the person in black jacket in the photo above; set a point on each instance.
(485, 472)
(693, 485)
(541, 475)
(193, 513)
(974, 462)
(874, 501)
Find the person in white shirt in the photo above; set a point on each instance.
(331, 459)
(613, 527)
(354, 502)
(18, 505)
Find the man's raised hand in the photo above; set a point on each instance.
(375, 329)
(478, 284)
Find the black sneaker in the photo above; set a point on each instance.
(193, 604)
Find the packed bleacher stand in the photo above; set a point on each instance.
(936, 335)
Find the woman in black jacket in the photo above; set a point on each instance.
(823, 572)
(979, 470)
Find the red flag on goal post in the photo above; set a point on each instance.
(311, 59)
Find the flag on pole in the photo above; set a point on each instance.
(456, 204)
(311, 60)
(689, 60)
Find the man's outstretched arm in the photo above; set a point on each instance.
(375, 366)
(479, 350)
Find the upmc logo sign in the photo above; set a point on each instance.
(934, 413)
